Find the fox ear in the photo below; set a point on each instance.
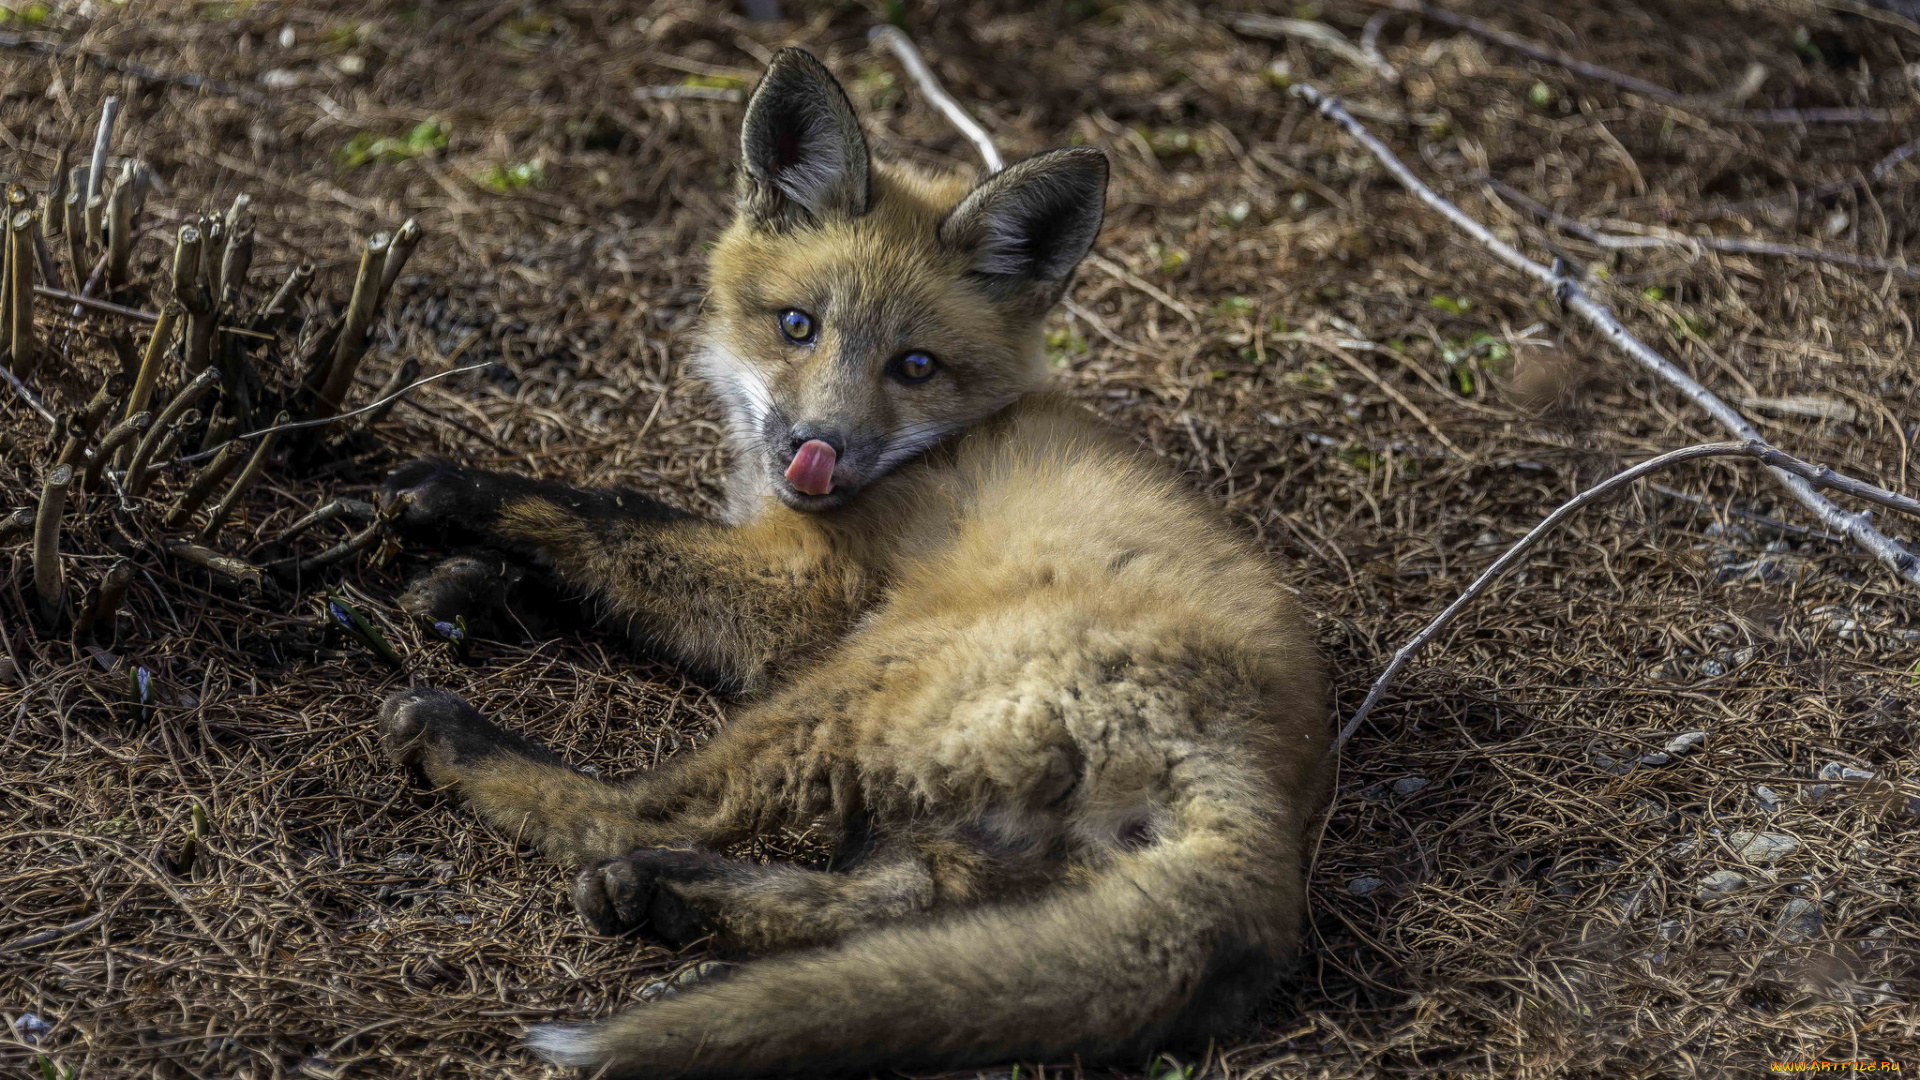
(1032, 223)
(801, 145)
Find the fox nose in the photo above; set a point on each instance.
(806, 433)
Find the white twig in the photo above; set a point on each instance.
(1317, 33)
(1750, 448)
(1693, 244)
(695, 93)
(1857, 526)
(1709, 104)
(26, 395)
(297, 425)
(102, 138)
(929, 84)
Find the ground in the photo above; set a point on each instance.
(1517, 877)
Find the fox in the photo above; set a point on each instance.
(1064, 729)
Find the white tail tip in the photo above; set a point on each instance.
(565, 1044)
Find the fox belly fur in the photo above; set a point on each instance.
(1069, 728)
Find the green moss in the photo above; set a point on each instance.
(426, 137)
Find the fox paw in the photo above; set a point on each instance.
(439, 732)
(448, 501)
(466, 587)
(624, 893)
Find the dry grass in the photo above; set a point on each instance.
(1531, 910)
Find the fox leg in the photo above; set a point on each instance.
(683, 894)
(733, 603)
(747, 780)
(515, 783)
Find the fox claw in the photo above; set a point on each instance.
(466, 587)
(620, 894)
(439, 732)
(446, 499)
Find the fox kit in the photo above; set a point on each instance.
(1067, 729)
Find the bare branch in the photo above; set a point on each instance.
(1710, 104)
(1858, 526)
(1317, 33)
(929, 84)
(102, 138)
(1695, 244)
(1749, 448)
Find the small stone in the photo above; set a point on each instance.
(1361, 886)
(1834, 770)
(1768, 799)
(1671, 928)
(1407, 785)
(9, 673)
(1837, 770)
(1654, 759)
(1720, 883)
(1763, 846)
(280, 79)
(32, 1027)
(1800, 920)
(1686, 742)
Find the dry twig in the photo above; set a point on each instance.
(903, 48)
(1709, 105)
(1858, 526)
(1750, 448)
(1694, 244)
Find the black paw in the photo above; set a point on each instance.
(634, 890)
(437, 730)
(448, 501)
(473, 588)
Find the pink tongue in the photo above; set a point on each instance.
(812, 468)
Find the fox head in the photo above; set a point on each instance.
(860, 311)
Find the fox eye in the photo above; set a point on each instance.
(913, 367)
(798, 326)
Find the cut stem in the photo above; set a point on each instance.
(49, 580)
(20, 292)
(217, 518)
(169, 418)
(119, 229)
(352, 343)
(157, 344)
(105, 609)
(208, 478)
(76, 230)
(235, 262)
(186, 270)
(120, 436)
(248, 576)
(285, 299)
(53, 213)
(102, 139)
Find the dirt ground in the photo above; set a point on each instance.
(1517, 878)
